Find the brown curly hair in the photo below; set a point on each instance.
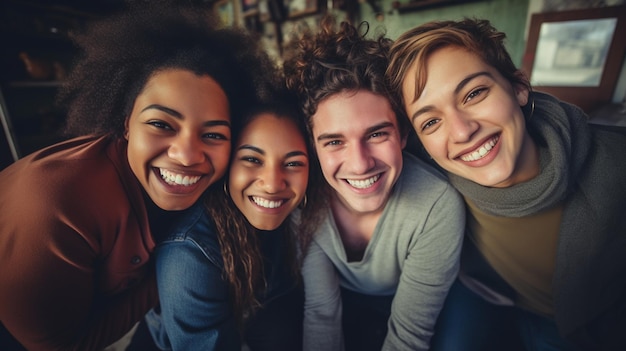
(334, 61)
(120, 53)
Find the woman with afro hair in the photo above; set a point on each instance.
(152, 103)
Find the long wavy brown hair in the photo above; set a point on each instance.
(239, 244)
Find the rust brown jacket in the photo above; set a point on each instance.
(75, 269)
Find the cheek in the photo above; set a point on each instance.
(300, 183)
(139, 150)
(237, 179)
(437, 149)
(219, 157)
(328, 165)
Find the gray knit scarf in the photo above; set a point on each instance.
(562, 135)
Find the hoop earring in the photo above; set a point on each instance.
(303, 203)
(529, 116)
(226, 189)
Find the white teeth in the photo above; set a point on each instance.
(481, 152)
(177, 179)
(266, 203)
(362, 184)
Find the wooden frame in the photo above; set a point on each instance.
(552, 60)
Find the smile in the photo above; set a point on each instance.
(481, 151)
(172, 178)
(266, 203)
(365, 183)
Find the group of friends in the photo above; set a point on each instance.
(369, 194)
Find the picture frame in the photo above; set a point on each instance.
(576, 55)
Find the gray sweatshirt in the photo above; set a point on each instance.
(413, 254)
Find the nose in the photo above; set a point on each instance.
(359, 158)
(462, 126)
(272, 179)
(186, 150)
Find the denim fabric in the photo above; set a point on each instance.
(195, 310)
(467, 322)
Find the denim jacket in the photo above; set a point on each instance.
(195, 311)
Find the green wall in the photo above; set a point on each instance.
(508, 16)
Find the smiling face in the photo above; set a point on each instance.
(360, 149)
(178, 137)
(469, 119)
(269, 171)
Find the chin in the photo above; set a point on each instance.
(266, 226)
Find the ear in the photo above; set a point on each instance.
(126, 121)
(522, 91)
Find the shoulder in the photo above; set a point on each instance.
(414, 166)
(75, 178)
(612, 138)
(605, 167)
(421, 183)
(195, 230)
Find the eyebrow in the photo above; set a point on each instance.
(458, 88)
(252, 148)
(262, 152)
(178, 115)
(371, 129)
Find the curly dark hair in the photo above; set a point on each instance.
(243, 261)
(334, 61)
(120, 53)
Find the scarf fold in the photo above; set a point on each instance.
(563, 129)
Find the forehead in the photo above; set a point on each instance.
(442, 69)
(268, 131)
(185, 92)
(352, 112)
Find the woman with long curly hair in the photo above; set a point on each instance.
(228, 273)
(153, 100)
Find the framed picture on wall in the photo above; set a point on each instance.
(577, 55)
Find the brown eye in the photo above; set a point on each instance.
(474, 94)
(160, 125)
(430, 123)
